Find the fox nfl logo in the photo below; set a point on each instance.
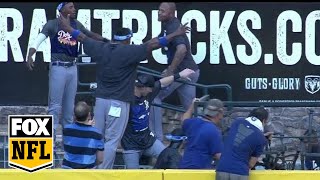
(30, 140)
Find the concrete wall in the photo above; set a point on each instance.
(53, 174)
(289, 121)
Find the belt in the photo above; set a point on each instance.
(64, 64)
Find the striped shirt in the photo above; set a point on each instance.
(81, 143)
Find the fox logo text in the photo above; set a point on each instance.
(30, 142)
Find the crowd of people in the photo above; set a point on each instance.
(123, 114)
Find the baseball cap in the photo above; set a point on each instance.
(213, 107)
(61, 5)
(145, 80)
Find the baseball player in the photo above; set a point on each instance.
(179, 57)
(62, 69)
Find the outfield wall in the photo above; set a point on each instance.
(57, 174)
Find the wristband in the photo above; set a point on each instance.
(163, 41)
(75, 34)
(176, 76)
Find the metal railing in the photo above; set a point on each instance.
(203, 87)
(4, 149)
(145, 70)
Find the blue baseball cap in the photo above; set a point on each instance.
(61, 5)
(122, 37)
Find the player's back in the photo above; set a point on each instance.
(116, 70)
(242, 142)
(81, 142)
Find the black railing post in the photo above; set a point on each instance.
(311, 111)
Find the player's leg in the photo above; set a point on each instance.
(56, 87)
(155, 149)
(57, 83)
(131, 158)
(188, 92)
(155, 118)
(70, 92)
(115, 124)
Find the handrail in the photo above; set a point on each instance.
(163, 105)
(169, 106)
(148, 71)
(267, 104)
(204, 88)
(272, 104)
(261, 104)
(142, 68)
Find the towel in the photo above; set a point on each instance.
(255, 122)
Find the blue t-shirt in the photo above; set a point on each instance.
(64, 47)
(137, 135)
(81, 143)
(243, 142)
(204, 141)
(64, 43)
(188, 62)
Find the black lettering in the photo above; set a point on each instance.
(31, 149)
(18, 149)
(42, 156)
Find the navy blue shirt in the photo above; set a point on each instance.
(188, 61)
(116, 68)
(137, 135)
(243, 142)
(204, 141)
(64, 47)
(63, 42)
(81, 143)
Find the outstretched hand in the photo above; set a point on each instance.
(183, 29)
(64, 22)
